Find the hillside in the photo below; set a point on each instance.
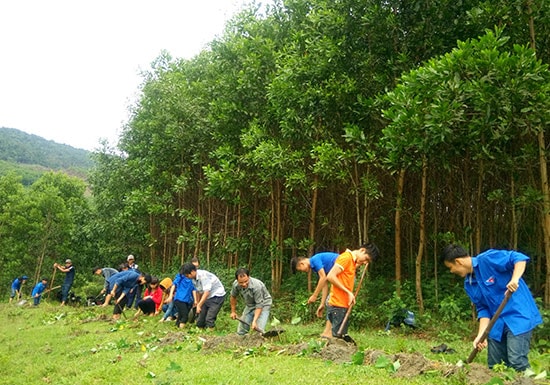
(31, 155)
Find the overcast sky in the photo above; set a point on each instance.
(70, 68)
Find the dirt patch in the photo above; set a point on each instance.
(100, 317)
(337, 350)
(172, 338)
(524, 381)
(477, 374)
(232, 341)
(413, 365)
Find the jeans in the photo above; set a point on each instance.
(169, 310)
(65, 288)
(336, 316)
(511, 350)
(248, 316)
(209, 312)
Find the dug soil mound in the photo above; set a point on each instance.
(337, 350)
(232, 341)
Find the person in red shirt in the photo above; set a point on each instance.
(342, 277)
(152, 298)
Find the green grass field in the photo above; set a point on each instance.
(81, 345)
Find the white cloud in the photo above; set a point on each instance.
(70, 68)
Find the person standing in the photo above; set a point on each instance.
(487, 277)
(134, 295)
(106, 273)
(320, 263)
(38, 290)
(342, 278)
(16, 287)
(211, 291)
(257, 301)
(69, 271)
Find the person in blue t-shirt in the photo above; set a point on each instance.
(38, 290)
(319, 263)
(486, 279)
(16, 287)
(120, 285)
(184, 297)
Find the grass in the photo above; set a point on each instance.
(79, 345)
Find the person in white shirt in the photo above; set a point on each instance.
(212, 294)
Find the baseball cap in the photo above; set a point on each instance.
(130, 258)
(68, 261)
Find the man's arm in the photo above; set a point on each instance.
(321, 285)
(478, 344)
(519, 269)
(233, 303)
(257, 313)
(333, 278)
(204, 297)
(61, 268)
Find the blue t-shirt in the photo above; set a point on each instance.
(323, 260)
(184, 289)
(16, 284)
(125, 281)
(486, 287)
(38, 289)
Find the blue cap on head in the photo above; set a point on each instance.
(24, 277)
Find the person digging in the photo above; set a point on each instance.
(257, 302)
(489, 280)
(122, 283)
(342, 278)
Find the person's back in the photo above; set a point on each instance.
(324, 260)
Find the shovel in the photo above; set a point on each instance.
(268, 334)
(507, 296)
(348, 312)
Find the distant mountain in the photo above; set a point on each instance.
(31, 155)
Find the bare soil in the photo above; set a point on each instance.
(339, 351)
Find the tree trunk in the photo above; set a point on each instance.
(514, 224)
(422, 237)
(479, 195)
(312, 216)
(398, 209)
(357, 182)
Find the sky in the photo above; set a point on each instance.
(69, 69)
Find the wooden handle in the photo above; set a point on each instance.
(341, 329)
(494, 318)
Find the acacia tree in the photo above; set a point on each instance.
(479, 102)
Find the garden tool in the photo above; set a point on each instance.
(494, 318)
(340, 330)
(268, 334)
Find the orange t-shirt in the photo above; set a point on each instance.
(339, 297)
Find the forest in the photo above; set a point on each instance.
(317, 125)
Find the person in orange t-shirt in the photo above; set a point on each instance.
(342, 277)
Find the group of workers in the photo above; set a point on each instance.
(41, 286)
(197, 293)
